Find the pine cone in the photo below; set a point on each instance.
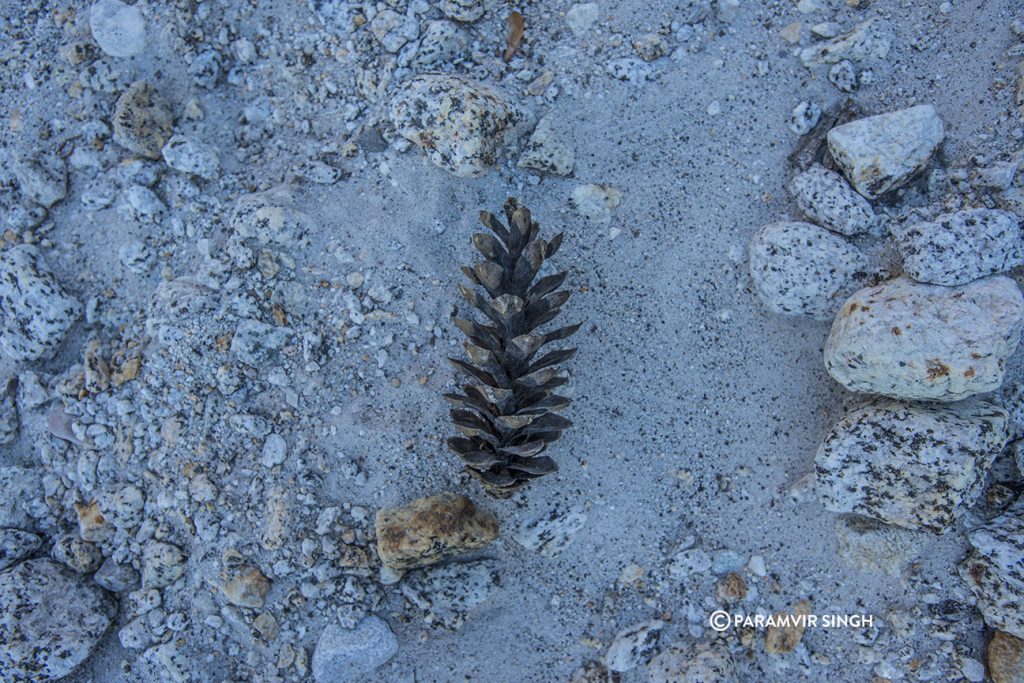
(507, 413)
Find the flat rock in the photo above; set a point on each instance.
(271, 217)
(994, 571)
(918, 466)
(460, 124)
(828, 200)
(801, 269)
(1006, 658)
(868, 41)
(21, 486)
(50, 621)
(870, 546)
(446, 594)
(343, 655)
(596, 202)
(429, 530)
(697, 663)
(880, 153)
(956, 248)
(142, 120)
(545, 153)
(552, 533)
(581, 17)
(37, 311)
(189, 155)
(119, 29)
(16, 545)
(462, 10)
(926, 342)
(43, 180)
(633, 646)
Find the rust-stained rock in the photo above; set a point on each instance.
(1006, 658)
(247, 588)
(429, 530)
(780, 639)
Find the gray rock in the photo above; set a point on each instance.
(447, 593)
(162, 564)
(37, 311)
(392, 30)
(551, 534)
(691, 11)
(633, 646)
(188, 155)
(879, 153)
(205, 69)
(926, 342)
(545, 153)
(697, 663)
(462, 10)
(843, 75)
(20, 486)
(255, 342)
(461, 125)
(119, 29)
(43, 180)
(956, 248)
(142, 120)
(801, 269)
(827, 199)
(271, 217)
(868, 41)
(804, 117)
(629, 69)
(581, 17)
(650, 46)
(16, 545)
(343, 655)
(142, 205)
(870, 546)
(918, 466)
(50, 621)
(116, 577)
(73, 552)
(994, 571)
(442, 42)
(8, 412)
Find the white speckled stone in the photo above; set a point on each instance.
(915, 341)
(188, 155)
(633, 646)
(696, 663)
(828, 200)
(36, 312)
(119, 28)
(994, 570)
(918, 466)
(344, 655)
(162, 564)
(447, 593)
(868, 41)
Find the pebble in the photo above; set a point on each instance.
(827, 199)
(581, 17)
(275, 450)
(801, 269)
(595, 202)
(188, 155)
(50, 620)
(843, 75)
(545, 153)
(116, 577)
(870, 546)
(782, 639)
(926, 342)
(552, 533)
(344, 655)
(461, 125)
(15, 545)
(868, 41)
(956, 248)
(633, 646)
(880, 153)
(248, 587)
(43, 179)
(804, 118)
(122, 507)
(8, 413)
(695, 663)
(162, 564)
(119, 29)
(994, 571)
(142, 205)
(271, 217)
(918, 466)
(432, 529)
(205, 69)
(1006, 658)
(629, 69)
(442, 42)
(142, 120)
(447, 593)
(462, 10)
(392, 30)
(37, 311)
(650, 46)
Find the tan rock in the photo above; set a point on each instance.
(92, 526)
(247, 588)
(1006, 658)
(732, 588)
(782, 639)
(429, 530)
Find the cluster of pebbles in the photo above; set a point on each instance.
(927, 335)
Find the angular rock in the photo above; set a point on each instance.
(256, 343)
(247, 587)
(870, 546)
(697, 663)
(926, 342)
(188, 155)
(429, 530)
(879, 153)
(801, 269)
(461, 125)
(162, 564)
(868, 41)
(596, 202)
(551, 534)
(50, 621)
(956, 248)
(142, 120)
(827, 199)
(446, 594)
(43, 180)
(843, 75)
(15, 545)
(782, 638)
(918, 466)
(122, 507)
(82, 556)
(442, 41)
(119, 29)
(581, 17)
(271, 216)
(37, 311)
(545, 153)
(1006, 658)
(392, 30)
(462, 10)
(116, 577)
(994, 571)
(20, 486)
(804, 117)
(633, 646)
(8, 412)
(344, 655)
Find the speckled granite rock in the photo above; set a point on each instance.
(271, 217)
(8, 412)
(1006, 658)
(162, 564)
(43, 180)
(957, 248)
(696, 663)
(633, 646)
(545, 153)
(462, 10)
(865, 42)
(442, 41)
(50, 621)
(868, 545)
(994, 571)
(16, 545)
(429, 530)
(801, 269)
(915, 341)
(446, 594)
(81, 556)
(190, 155)
(142, 120)
(344, 655)
(551, 534)
(461, 125)
(827, 199)
(918, 466)
(37, 311)
(21, 487)
(879, 153)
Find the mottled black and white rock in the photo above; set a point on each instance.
(827, 199)
(43, 180)
(843, 75)
(880, 153)
(271, 217)
(545, 153)
(162, 564)
(867, 545)
(116, 576)
(393, 30)
(926, 342)
(552, 533)
(462, 10)
(256, 342)
(461, 125)
(915, 465)
(801, 269)
(804, 117)
(633, 646)
(37, 311)
(994, 570)
(696, 663)
(142, 120)
(21, 487)
(15, 545)
(866, 42)
(189, 155)
(447, 593)
(8, 412)
(119, 29)
(442, 41)
(50, 620)
(955, 248)
(344, 655)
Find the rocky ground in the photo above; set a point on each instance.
(227, 274)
